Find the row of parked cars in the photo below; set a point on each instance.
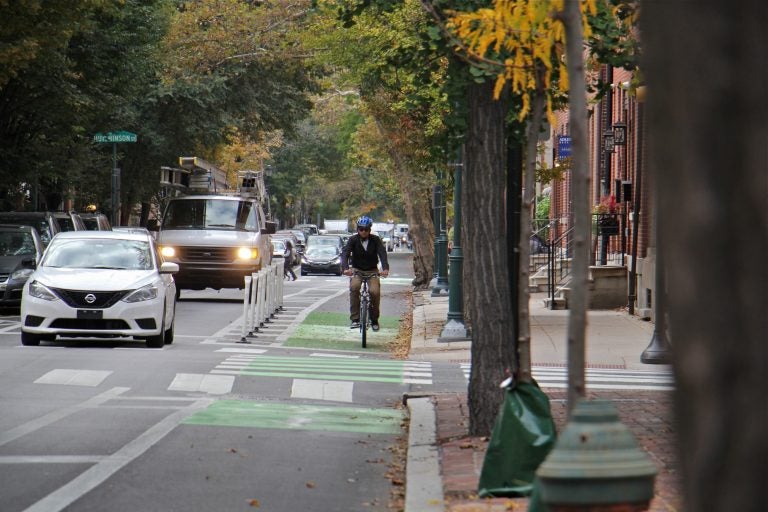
(73, 275)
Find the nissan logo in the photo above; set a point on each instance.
(90, 298)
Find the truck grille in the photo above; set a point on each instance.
(206, 254)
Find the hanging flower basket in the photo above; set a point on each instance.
(608, 224)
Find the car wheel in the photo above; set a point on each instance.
(168, 335)
(157, 341)
(304, 272)
(30, 340)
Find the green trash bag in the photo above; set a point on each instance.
(522, 437)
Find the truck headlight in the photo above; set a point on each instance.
(168, 251)
(247, 253)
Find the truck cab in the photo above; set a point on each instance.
(216, 235)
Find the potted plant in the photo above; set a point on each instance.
(607, 218)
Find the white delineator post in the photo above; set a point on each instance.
(246, 294)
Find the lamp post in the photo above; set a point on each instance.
(609, 143)
(441, 257)
(436, 191)
(454, 328)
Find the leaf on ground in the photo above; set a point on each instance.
(254, 503)
(310, 484)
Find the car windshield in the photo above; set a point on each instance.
(91, 223)
(40, 224)
(322, 251)
(16, 244)
(93, 253)
(211, 214)
(323, 241)
(66, 223)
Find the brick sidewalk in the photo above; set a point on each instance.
(646, 413)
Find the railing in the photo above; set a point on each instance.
(559, 262)
(608, 243)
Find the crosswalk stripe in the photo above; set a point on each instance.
(196, 382)
(335, 391)
(549, 377)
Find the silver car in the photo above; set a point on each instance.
(100, 284)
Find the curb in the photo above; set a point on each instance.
(424, 486)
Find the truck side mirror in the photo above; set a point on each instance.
(270, 229)
(153, 225)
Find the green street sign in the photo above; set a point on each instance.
(120, 136)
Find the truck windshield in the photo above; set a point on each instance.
(211, 214)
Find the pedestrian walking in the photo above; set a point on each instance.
(288, 261)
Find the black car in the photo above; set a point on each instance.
(45, 223)
(325, 259)
(20, 249)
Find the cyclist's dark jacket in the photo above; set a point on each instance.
(363, 259)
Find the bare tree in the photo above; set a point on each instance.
(706, 71)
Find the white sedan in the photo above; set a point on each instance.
(100, 284)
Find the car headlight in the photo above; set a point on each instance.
(40, 291)
(337, 259)
(168, 251)
(247, 253)
(22, 273)
(147, 292)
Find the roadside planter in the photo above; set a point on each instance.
(596, 465)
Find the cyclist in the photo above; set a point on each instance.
(361, 255)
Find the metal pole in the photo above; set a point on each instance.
(454, 327)
(436, 224)
(114, 184)
(441, 286)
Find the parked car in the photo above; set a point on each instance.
(44, 222)
(309, 229)
(96, 222)
(321, 258)
(101, 284)
(278, 249)
(69, 221)
(20, 251)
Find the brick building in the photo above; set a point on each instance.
(621, 173)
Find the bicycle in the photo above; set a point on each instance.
(365, 305)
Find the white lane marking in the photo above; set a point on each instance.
(96, 475)
(417, 381)
(51, 459)
(335, 391)
(67, 377)
(343, 356)
(242, 350)
(305, 312)
(205, 383)
(53, 417)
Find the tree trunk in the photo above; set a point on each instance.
(707, 76)
(415, 188)
(582, 220)
(485, 256)
(524, 323)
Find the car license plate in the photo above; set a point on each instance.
(90, 314)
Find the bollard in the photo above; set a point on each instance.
(254, 328)
(262, 296)
(246, 295)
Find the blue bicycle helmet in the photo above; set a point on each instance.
(364, 222)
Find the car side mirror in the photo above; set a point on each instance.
(29, 263)
(270, 228)
(153, 225)
(169, 267)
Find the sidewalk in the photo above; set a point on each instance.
(444, 462)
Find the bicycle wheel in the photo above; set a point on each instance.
(364, 320)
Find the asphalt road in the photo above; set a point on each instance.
(299, 418)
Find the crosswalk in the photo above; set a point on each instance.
(619, 379)
(324, 368)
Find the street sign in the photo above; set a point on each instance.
(120, 136)
(563, 146)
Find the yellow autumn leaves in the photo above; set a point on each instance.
(524, 39)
